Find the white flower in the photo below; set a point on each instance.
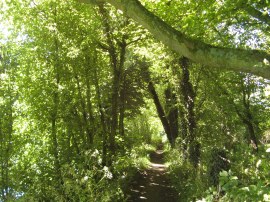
(85, 178)
(265, 61)
(107, 173)
(99, 161)
(95, 153)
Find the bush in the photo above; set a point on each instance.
(186, 179)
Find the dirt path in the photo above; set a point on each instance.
(153, 185)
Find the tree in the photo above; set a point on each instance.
(252, 61)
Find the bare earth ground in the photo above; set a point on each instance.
(153, 185)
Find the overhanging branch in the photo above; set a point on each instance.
(252, 61)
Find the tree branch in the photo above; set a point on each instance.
(252, 61)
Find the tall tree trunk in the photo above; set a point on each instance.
(117, 64)
(80, 123)
(115, 86)
(122, 109)
(86, 125)
(54, 139)
(90, 123)
(183, 124)
(102, 119)
(117, 77)
(54, 112)
(114, 106)
(184, 133)
(251, 133)
(189, 103)
(160, 110)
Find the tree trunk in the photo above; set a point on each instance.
(189, 103)
(247, 117)
(122, 110)
(117, 64)
(102, 120)
(89, 134)
(115, 86)
(172, 113)
(251, 134)
(88, 99)
(114, 114)
(54, 114)
(161, 112)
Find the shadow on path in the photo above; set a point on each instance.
(153, 185)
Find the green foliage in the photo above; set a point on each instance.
(217, 162)
(139, 130)
(145, 127)
(84, 180)
(61, 64)
(231, 189)
(186, 179)
(248, 180)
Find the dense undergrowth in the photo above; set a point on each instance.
(91, 181)
(85, 177)
(246, 177)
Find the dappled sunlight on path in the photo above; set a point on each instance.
(153, 184)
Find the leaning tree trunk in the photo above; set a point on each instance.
(161, 112)
(172, 112)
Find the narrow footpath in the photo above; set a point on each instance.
(153, 185)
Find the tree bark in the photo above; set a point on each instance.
(102, 118)
(161, 113)
(188, 97)
(252, 61)
(91, 122)
(247, 118)
(122, 105)
(189, 103)
(89, 134)
(172, 113)
(54, 117)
